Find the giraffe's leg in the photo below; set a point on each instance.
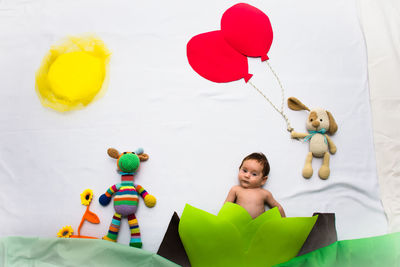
(112, 234)
(135, 232)
(307, 170)
(324, 171)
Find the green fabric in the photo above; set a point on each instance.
(372, 252)
(233, 238)
(46, 252)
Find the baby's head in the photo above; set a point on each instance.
(254, 170)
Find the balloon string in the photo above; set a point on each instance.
(281, 110)
(280, 84)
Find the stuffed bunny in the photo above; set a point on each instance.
(319, 124)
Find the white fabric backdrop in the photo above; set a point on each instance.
(195, 131)
(381, 26)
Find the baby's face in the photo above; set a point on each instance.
(250, 174)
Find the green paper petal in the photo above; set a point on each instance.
(233, 238)
(253, 226)
(235, 214)
(247, 227)
(279, 240)
(209, 240)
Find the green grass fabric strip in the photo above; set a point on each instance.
(233, 238)
(372, 252)
(46, 252)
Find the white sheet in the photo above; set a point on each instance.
(195, 131)
(381, 26)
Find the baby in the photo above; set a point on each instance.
(253, 173)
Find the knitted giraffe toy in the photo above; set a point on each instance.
(126, 195)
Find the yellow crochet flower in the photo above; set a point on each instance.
(65, 232)
(86, 197)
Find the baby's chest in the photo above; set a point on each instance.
(251, 197)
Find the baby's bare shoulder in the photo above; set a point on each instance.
(236, 188)
(265, 192)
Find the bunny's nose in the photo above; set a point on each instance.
(315, 123)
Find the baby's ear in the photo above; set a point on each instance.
(264, 180)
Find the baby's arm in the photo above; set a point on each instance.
(270, 200)
(231, 195)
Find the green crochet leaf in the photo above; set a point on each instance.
(233, 238)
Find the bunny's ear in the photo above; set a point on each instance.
(112, 152)
(295, 104)
(333, 127)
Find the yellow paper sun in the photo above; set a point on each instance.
(73, 73)
(65, 232)
(86, 197)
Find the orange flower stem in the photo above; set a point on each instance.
(83, 219)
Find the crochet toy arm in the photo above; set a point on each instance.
(294, 134)
(332, 146)
(106, 197)
(149, 200)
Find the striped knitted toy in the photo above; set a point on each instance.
(126, 195)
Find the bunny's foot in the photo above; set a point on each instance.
(307, 170)
(324, 171)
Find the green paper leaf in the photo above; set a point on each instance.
(233, 238)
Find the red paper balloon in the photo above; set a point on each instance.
(248, 30)
(212, 58)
